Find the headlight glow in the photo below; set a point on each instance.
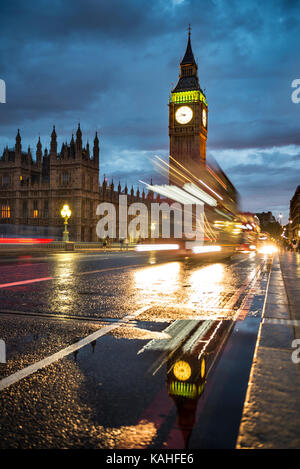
(268, 249)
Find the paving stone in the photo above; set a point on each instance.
(271, 414)
(277, 311)
(276, 336)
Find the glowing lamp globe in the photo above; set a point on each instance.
(65, 211)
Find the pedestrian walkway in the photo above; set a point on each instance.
(271, 414)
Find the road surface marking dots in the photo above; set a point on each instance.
(285, 322)
(29, 370)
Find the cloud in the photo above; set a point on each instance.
(265, 177)
(110, 66)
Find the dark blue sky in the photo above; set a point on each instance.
(110, 65)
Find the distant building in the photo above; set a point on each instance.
(295, 215)
(32, 192)
(265, 218)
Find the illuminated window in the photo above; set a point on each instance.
(35, 209)
(21, 178)
(5, 211)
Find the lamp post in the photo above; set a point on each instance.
(66, 213)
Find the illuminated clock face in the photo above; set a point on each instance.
(203, 368)
(182, 370)
(204, 120)
(184, 114)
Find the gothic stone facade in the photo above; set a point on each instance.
(295, 215)
(33, 191)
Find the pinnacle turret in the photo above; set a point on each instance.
(18, 145)
(188, 78)
(53, 144)
(188, 56)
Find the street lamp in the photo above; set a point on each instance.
(66, 213)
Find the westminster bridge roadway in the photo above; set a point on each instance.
(128, 350)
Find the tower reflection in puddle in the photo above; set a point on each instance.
(188, 370)
(190, 350)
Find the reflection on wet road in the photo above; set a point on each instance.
(170, 363)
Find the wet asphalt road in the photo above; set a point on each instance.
(169, 367)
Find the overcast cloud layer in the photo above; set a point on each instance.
(110, 65)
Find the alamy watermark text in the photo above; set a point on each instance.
(2, 351)
(296, 352)
(136, 221)
(2, 92)
(295, 96)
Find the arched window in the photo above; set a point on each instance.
(65, 178)
(35, 209)
(6, 179)
(5, 210)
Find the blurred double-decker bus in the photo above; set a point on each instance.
(211, 203)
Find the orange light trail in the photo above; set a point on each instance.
(25, 240)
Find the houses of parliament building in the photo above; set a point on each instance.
(34, 190)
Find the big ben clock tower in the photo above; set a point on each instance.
(187, 118)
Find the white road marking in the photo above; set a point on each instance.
(29, 370)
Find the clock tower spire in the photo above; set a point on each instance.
(188, 117)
